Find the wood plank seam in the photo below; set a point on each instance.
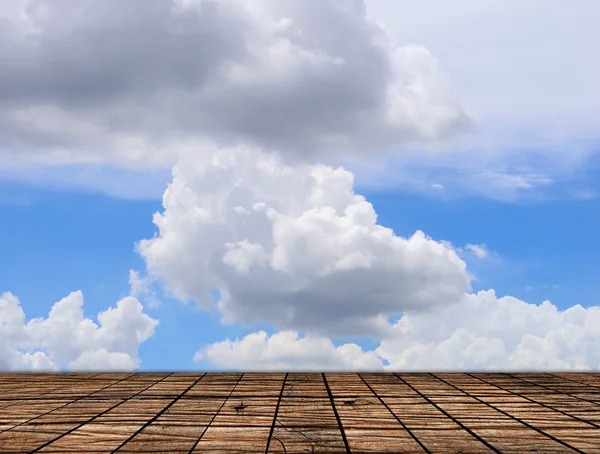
(530, 399)
(55, 389)
(570, 379)
(157, 415)
(448, 415)
(215, 415)
(404, 426)
(525, 423)
(98, 415)
(512, 413)
(275, 417)
(337, 416)
(35, 397)
(551, 389)
(67, 404)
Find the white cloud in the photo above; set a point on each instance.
(480, 250)
(483, 332)
(103, 360)
(68, 339)
(14, 339)
(286, 350)
(140, 287)
(487, 332)
(306, 252)
(134, 83)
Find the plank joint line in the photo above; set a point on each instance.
(275, 417)
(157, 415)
(337, 416)
(215, 415)
(448, 415)
(404, 426)
(525, 423)
(99, 414)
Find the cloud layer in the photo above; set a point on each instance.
(483, 332)
(67, 339)
(132, 83)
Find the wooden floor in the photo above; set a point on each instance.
(300, 413)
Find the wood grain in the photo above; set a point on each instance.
(300, 412)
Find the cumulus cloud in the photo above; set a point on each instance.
(66, 338)
(286, 350)
(292, 245)
(483, 332)
(487, 332)
(133, 83)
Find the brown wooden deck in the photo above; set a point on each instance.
(300, 413)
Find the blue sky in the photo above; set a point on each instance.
(252, 196)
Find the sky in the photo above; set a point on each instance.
(301, 185)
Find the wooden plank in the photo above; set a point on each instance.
(300, 412)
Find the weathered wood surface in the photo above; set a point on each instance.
(300, 412)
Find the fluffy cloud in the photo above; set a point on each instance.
(292, 245)
(102, 359)
(13, 337)
(483, 332)
(68, 339)
(133, 82)
(487, 332)
(287, 351)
